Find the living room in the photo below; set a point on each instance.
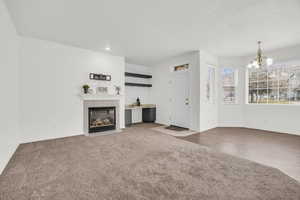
(149, 100)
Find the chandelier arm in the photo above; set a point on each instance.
(260, 59)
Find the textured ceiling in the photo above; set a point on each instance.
(147, 31)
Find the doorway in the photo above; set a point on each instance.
(180, 109)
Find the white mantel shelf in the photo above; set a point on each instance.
(98, 97)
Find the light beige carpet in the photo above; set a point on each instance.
(137, 164)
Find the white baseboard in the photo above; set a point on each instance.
(231, 124)
(42, 138)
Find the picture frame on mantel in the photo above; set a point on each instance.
(101, 90)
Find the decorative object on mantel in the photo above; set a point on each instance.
(118, 89)
(100, 77)
(260, 60)
(92, 91)
(85, 88)
(101, 90)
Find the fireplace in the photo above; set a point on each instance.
(101, 119)
(101, 114)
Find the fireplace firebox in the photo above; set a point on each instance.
(102, 119)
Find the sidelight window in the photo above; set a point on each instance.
(229, 85)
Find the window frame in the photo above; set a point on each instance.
(279, 67)
(212, 79)
(236, 85)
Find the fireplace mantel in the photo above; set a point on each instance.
(98, 97)
(97, 100)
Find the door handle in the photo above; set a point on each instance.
(187, 101)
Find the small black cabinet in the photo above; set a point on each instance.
(149, 114)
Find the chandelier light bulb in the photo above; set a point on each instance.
(255, 64)
(269, 61)
(249, 66)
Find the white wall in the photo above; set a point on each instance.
(278, 118)
(208, 109)
(9, 109)
(203, 114)
(50, 82)
(131, 93)
(161, 90)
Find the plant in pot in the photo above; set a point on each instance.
(85, 88)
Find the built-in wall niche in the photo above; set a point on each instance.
(100, 77)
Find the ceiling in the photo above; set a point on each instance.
(147, 31)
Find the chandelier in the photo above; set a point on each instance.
(260, 60)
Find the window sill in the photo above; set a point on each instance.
(231, 104)
(265, 104)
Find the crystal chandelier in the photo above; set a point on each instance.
(260, 60)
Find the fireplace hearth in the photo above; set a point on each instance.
(101, 119)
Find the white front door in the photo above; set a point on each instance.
(180, 99)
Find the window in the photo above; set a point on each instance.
(181, 67)
(229, 84)
(210, 85)
(275, 85)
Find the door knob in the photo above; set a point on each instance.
(187, 101)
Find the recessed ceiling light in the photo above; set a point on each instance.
(107, 48)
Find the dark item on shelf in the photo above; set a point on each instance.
(138, 102)
(100, 77)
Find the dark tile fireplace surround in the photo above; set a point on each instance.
(101, 119)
